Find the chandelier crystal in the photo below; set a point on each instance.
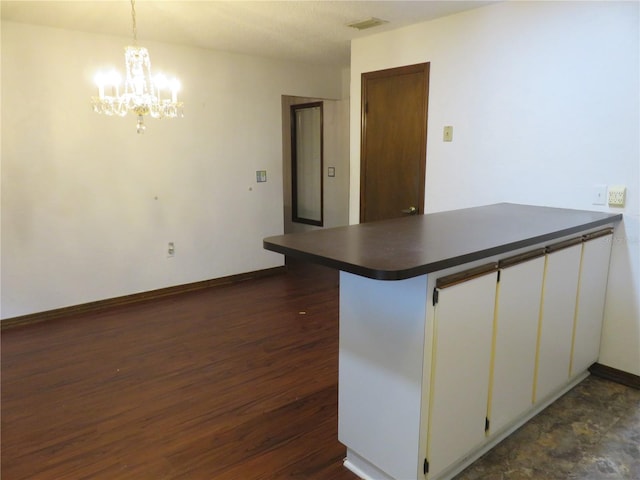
(143, 94)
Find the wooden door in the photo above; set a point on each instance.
(393, 142)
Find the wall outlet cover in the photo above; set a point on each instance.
(617, 196)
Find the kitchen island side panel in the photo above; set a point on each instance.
(382, 328)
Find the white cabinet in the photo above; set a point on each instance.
(516, 330)
(560, 289)
(505, 346)
(591, 295)
(463, 324)
(434, 370)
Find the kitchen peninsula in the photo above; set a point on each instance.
(457, 327)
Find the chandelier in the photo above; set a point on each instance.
(142, 94)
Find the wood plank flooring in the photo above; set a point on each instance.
(239, 382)
(234, 382)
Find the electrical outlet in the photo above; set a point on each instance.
(171, 250)
(616, 196)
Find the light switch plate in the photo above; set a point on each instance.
(447, 134)
(261, 176)
(616, 196)
(599, 195)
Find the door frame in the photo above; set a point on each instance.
(365, 76)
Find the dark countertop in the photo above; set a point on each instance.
(415, 245)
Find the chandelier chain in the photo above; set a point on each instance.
(133, 19)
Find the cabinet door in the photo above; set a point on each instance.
(590, 310)
(556, 324)
(463, 322)
(516, 328)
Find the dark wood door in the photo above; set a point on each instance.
(393, 142)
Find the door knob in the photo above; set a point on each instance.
(410, 211)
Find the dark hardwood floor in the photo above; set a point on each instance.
(239, 382)
(234, 382)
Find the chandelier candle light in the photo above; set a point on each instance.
(143, 94)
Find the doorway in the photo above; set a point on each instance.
(393, 142)
(306, 163)
(335, 164)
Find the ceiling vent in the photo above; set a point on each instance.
(368, 23)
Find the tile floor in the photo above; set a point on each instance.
(591, 433)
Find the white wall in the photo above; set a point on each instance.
(544, 101)
(88, 206)
(336, 155)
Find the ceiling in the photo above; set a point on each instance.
(303, 31)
